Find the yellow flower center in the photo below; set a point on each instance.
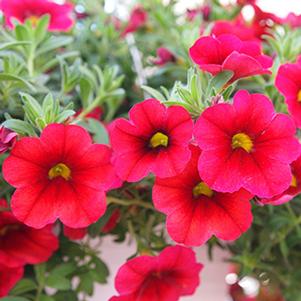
(7, 228)
(159, 139)
(202, 189)
(60, 170)
(242, 140)
(299, 96)
(294, 182)
(34, 20)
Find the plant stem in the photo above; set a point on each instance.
(91, 107)
(112, 200)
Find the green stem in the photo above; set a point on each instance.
(91, 107)
(135, 202)
(30, 61)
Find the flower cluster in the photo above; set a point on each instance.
(182, 168)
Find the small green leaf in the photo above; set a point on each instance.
(154, 93)
(23, 286)
(41, 29)
(11, 77)
(19, 126)
(58, 282)
(86, 283)
(40, 270)
(64, 269)
(218, 82)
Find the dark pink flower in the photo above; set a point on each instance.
(246, 145)
(155, 139)
(20, 244)
(195, 212)
(61, 174)
(7, 139)
(288, 82)
(237, 27)
(292, 191)
(138, 18)
(75, 233)
(228, 52)
(172, 274)
(60, 14)
(8, 278)
(164, 56)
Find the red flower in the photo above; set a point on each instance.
(60, 19)
(195, 212)
(94, 114)
(236, 27)
(228, 52)
(246, 145)
(112, 222)
(20, 245)
(204, 11)
(293, 20)
(245, 2)
(138, 18)
(172, 274)
(8, 278)
(263, 22)
(59, 175)
(7, 139)
(292, 191)
(164, 56)
(154, 140)
(288, 82)
(75, 234)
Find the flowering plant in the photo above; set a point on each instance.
(170, 130)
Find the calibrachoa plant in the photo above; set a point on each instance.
(168, 131)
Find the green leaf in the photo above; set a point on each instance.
(58, 282)
(11, 77)
(46, 298)
(22, 33)
(154, 93)
(8, 45)
(218, 82)
(98, 130)
(54, 42)
(95, 228)
(40, 270)
(41, 29)
(23, 286)
(86, 283)
(101, 271)
(19, 126)
(64, 269)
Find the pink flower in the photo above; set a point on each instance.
(204, 11)
(8, 278)
(112, 222)
(288, 82)
(195, 212)
(293, 20)
(7, 139)
(237, 27)
(60, 14)
(246, 145)
(172, 274)
(228, 52)
(138, 18)
(155, 139)
(293, 190)
(164, 56)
